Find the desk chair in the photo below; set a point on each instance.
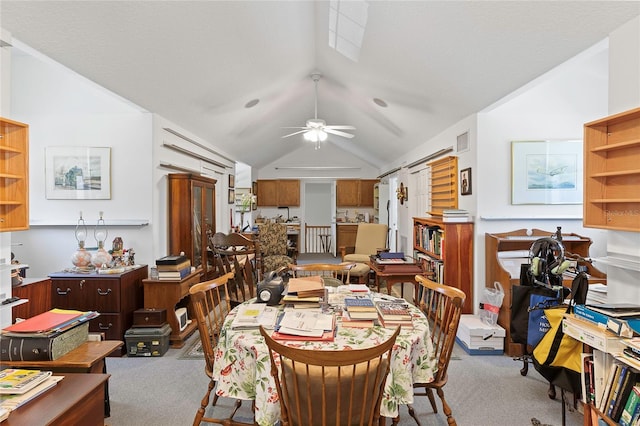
(236, 253)
(210, 301)
(273, 246)
(370, 238)
(329, 387)
(442, 305)
(337, 273)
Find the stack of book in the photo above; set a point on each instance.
(456, 215)
(19, 386)
(621, 319)
(394, 313)
(360, 308)
(173, 268)
(45, 337)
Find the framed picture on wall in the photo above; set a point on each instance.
(78, 173)
(232, 196)
(232, 181)
(546, 172)
(465, 181)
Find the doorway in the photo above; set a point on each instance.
(319, 209)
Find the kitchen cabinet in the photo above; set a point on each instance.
(355, 192)
(278, 192)
(114, 296)
(14, 175)
(192, 218)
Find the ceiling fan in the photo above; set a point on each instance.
(316, 130)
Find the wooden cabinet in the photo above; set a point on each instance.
(612, 172)
(367, 192)
(278, 192)
(38, 293)
(505, 252)
(446, 250)
(14, 175)
(346, 235)
(355, 192)
(114, 296)
(171, 295)
(192, 217)
(289, 192)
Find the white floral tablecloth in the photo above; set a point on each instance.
(242, 367)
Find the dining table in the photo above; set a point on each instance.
(242, 368)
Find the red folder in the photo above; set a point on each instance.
(47, 321)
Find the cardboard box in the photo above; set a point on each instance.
(479, 338)
(148, 341)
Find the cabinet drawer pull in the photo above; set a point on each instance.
(82, 283)
(103, 327)
(103, 293)
(62, 292)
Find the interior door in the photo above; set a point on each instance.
(393, 213)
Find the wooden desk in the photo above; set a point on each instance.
(167, 295)
(396, 276)
(86, 358)
(75, 400)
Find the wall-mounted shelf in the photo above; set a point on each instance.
(112, 222)
(14, 175)
(620, 260)
(612, 176)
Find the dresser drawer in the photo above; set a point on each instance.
(109, 324)
(102, 295)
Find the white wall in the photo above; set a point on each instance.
(64, 109)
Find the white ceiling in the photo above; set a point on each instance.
(197, 63)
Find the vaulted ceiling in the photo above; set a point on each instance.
(199, 63)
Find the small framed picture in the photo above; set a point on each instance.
(465, 181)
(232, 196)
(232, 181)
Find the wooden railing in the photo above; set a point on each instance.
(317, 238)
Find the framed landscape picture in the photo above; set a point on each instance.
(546, 172)
(78, 173)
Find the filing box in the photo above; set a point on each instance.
(149, 317)
(146, 341)
(479, 338)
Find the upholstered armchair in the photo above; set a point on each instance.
(370, 238)
(273, 246)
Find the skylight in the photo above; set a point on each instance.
(347, 22)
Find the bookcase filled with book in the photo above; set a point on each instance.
(445, 250)
(610, 373)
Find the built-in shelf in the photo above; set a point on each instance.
(112, 222)
(619, 260)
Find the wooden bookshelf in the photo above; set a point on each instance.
(612, 172)
(452, 250)
(14, 175)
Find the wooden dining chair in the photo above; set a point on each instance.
(236, 253)
(338, 273)
(210, 304)
(329, 387)
(442, 305)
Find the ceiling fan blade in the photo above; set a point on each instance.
(339, 133)
(294, 133)
(340, 126)
(296, 127)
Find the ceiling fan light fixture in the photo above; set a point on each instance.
(315, 135)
